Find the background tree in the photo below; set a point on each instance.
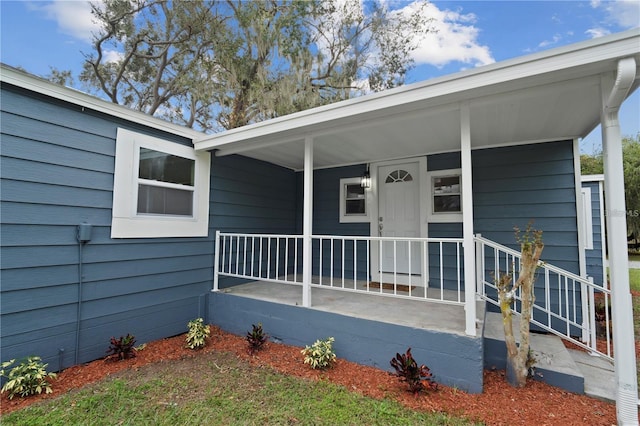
(217, 65)
(593, 164)
(631, 164)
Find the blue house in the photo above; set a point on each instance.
(379, 220)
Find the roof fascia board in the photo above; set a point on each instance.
(567, 57)
(39, 85)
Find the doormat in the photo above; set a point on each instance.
(389, 286)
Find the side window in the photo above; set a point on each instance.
(353, 201)
(445, 199)
(161, 188)
(587, 219)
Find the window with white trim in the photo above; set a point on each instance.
(353, 201)
(161, 188)
(587, 219)
(446, 195)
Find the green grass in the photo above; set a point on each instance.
(217, 389)
(634, 279)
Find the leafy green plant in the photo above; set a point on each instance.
(416, 377)
(256, 338)
(122, 348)
(29, 377)
(198, 333)
(320, 355)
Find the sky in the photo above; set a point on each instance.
(39, 35)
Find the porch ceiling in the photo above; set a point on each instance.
(551, 95)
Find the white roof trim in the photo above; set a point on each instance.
(592, 178)
(36, 84)
(452, 87)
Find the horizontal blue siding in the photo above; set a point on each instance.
(517, 184)
(57, 163)
(326, 221)
(251, 196)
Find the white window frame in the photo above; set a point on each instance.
(587, 218)
(125, 220)
(352, 218)
(447, 216)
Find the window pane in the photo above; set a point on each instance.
(355, 207)
(355, 191)
(399, 176)
(157, 200)
(446, 185)
(163, 167)
(446, 203)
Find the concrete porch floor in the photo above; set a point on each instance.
(415, 313)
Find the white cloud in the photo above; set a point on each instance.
(556, 38)
(618, 13)
(597, 32)
(455, 39)
(73, 17)
(625, 13)
(112, 56)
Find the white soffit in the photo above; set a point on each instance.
(550, 95)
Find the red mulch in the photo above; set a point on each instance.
(499, 404)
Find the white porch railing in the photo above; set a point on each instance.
(567, 305)
(416, 268)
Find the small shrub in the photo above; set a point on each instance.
(29, 377)
(416, 377)
(320, 355)
(122, 348)
(256, 338)
(198, 334)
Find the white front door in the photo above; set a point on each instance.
(399, 216)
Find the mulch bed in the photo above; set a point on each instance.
(499, 404)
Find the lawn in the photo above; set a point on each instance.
(232, 392)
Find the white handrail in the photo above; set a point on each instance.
(346, 262)
(564, 292)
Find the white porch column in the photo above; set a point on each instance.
(467, 223)
(613, 93)
(307, 221)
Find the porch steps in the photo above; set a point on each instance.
(571, 370)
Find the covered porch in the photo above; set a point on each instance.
(543, 102)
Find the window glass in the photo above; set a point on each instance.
(167, 201)
(399, 176)
(355, 191)
(446, 194)
(165, 167)
(446, 204)
(353, 201)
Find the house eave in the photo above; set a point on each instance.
(15, 77)
(578, 61)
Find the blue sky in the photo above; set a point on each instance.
(37, 35)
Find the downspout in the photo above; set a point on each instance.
(622, 314)
(83, 236)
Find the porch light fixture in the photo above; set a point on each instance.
(365, 180)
